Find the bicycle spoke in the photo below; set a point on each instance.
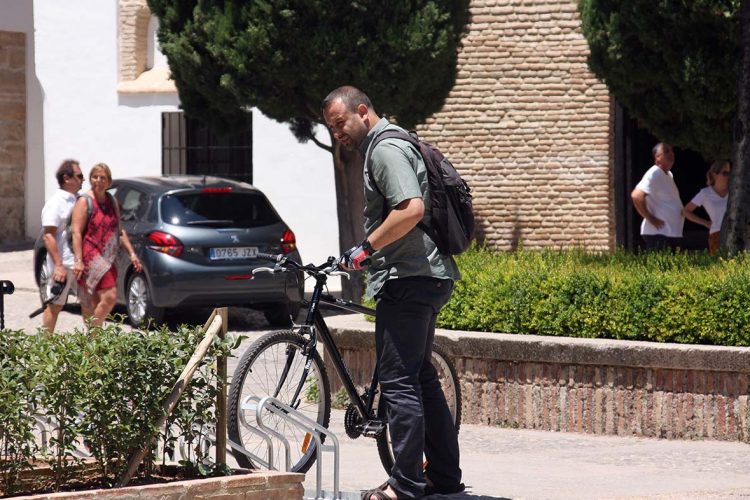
(275, 366)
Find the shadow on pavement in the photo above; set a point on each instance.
(465, 496)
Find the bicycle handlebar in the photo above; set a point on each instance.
(283, 264)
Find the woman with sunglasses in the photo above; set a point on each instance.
(713, 198)
(97, 238)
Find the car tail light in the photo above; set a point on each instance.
(288, 242)
(217, 190)
(165, 243)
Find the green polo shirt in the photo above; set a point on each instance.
(400, 173)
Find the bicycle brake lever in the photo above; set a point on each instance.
(340, 273)
(263, 270)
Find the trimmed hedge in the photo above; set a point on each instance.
(684, 297)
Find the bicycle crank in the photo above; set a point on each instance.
(355, 426)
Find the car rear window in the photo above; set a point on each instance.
(217, 209)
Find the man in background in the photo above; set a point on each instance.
(59, 254)
(657, 199)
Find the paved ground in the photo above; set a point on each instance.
(497, 463)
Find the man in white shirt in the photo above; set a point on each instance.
(59, 255)
(657, 199)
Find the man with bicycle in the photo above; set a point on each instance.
(411, 281)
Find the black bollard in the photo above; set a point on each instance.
(6, 288)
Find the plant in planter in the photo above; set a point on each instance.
(16, 396)
(102, 392)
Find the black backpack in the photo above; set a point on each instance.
(451, 210)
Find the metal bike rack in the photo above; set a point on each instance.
(296, 418)
(6, 288)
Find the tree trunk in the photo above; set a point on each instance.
(349, 178)
(736, 230)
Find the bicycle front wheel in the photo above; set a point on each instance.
(274, 366)
(452, 391)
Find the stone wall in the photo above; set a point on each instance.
(252, 486)
(133, 16)
(529, 127)
(12, 135)
(591, 386)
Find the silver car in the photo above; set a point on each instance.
(197, 238)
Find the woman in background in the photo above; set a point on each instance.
(97, 238)
(713, 198)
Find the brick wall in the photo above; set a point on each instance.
(529, 127)
(12, 135)
(591, 386)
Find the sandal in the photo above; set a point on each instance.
(379, 493)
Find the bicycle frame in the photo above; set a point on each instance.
(315, 318)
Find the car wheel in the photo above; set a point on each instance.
(139, 304)
(282, 315)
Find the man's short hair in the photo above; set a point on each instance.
(659, 145)
(66, 168)
(351, 97)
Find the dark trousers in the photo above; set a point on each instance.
(418, 416)
(661, 242)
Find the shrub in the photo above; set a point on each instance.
(101, 390)
(664, 297)
(16, 397)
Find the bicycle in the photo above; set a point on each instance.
(287, 365)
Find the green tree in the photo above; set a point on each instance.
(284, 56)
(675, 65)
(735, 232)
(671, 63)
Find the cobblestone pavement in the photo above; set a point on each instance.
(497, 463)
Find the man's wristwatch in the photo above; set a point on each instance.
(367, 247)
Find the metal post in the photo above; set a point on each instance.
(221, 403)
(6, 288)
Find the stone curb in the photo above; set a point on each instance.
(349, 329)
(253, 486)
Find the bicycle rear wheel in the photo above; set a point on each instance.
(452, 390)
(259, 373)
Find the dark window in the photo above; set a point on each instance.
(190, 147)
(218, 210)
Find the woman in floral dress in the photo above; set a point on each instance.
(95, 246)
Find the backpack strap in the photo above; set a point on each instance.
(89, 208)
(392, 134)
(69, 222)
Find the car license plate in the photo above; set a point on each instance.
(232, 253)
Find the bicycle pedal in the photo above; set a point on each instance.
(373, 428)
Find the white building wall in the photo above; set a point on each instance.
(299, 181)
(84, 116)
(75, 111)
